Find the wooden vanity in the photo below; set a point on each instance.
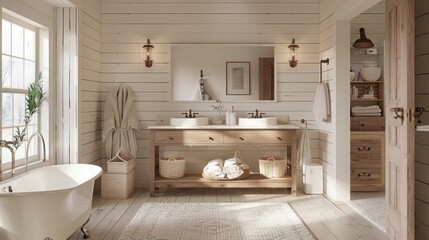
(222, 135)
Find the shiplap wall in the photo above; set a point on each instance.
(327, 130)
(90, 106)
(126, 24)
(422, 100)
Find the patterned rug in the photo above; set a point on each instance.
(216, 221)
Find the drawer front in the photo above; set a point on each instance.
(366, 124)
(188, 137)
(365, 146)
(366, 176)
(260, 136)
(365, 160)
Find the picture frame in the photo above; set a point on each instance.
(237, 78)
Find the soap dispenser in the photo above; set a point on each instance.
(228, 117)
(232, 117)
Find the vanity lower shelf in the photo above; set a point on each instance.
(210, 136)
(197, 181)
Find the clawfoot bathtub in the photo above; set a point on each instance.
(47, 203)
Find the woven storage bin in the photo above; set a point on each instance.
(117, 185)
(172, 167)
(272, 167)
(120, 164)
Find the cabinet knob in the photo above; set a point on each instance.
(364, 149)
(171, 138)
(279, 138)
(242, 139)
(211, 139)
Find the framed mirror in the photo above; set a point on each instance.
(232, 73)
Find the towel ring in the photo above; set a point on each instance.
(303, 121)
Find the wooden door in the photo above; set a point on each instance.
(399, 73)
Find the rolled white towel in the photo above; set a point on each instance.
(234, 174)
(232, 168)
(232, 160)
(212, 170)
(216, 162)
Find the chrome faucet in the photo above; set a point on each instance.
(256, 114)
(8, 145)
(28, 146)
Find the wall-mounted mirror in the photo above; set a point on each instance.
(232, 73)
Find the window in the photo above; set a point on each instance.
(19, 67)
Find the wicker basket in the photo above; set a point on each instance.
(172, 167)
(120, 164)
(244, 175)
(272, 167)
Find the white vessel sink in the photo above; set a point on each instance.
(257, 122)
(370, 74)
(189, 122)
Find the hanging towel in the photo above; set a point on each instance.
(304, 150)
(121, 124)
(321, 107)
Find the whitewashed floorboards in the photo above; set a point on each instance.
(325, 219)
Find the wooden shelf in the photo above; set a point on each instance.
(363, 82)
(359, 99)
(222, 137)
(255, 180)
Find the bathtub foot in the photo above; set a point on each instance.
(85, 232)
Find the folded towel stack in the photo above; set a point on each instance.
(367, 111)
(230, 168)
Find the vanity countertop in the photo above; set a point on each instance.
(227, 127)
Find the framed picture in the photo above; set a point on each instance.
(237, 78)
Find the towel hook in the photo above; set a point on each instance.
(303, 121)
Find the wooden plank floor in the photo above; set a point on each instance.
(325, 219)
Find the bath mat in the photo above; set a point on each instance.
(370, 205)
(216, 221)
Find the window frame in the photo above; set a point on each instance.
(32, 159)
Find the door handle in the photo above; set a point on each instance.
(399, 113)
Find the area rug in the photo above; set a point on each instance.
(216, 221)
(370, 205)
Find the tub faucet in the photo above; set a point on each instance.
(8, 145)
(28, 146)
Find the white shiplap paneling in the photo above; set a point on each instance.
(127, 24)
(90, 95)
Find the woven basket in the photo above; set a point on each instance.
(272, 167)
(244, 175)
(172, 167)
(121, 164)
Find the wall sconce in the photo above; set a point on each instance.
(363, 42)
(293, 52)
(147, 48)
